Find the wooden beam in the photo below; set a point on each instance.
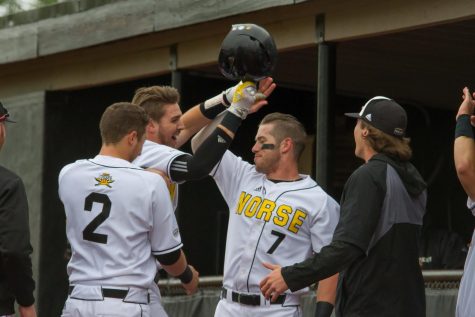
(363, 18)
(82, 73)
(287, 34)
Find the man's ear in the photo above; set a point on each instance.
(286, 145)
(152, 126)
(132, 137)
(364, 132)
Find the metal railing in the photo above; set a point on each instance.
(438, 279)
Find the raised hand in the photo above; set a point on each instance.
(244, 97)
(468, 105)
(266, 87)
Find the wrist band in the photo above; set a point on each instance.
(186, 276)
(213, 106)
(464, 127)
(323, 309)
(226, 102)
(231, 121)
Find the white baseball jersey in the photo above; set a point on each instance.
(465, 304)
(117, 216)
(160, 156)
(280, 223)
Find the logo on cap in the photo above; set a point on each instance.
(399, 131)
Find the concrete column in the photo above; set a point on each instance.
(325, 113)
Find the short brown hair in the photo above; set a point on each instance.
(121, 118)
(387, 144)
(153, 99)
(287, 126)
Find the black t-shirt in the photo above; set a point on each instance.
(383, 219)
(375, 244)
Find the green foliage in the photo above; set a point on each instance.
(40, 3)
(14, 6)
(10, 6)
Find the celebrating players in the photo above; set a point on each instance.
(119, 218)
(168, 129)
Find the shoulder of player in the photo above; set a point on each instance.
(154, 153)
(373, 170)
(150, 177)
(229, 156)
(69, 167)
(322, 200)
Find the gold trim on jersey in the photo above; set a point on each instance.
(262, 208)
(105, 179)
(172, 190)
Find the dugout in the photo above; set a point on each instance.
(60, 66)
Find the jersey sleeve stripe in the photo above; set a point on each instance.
(165, 251)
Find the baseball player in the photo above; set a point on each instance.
(167, 130)
(464, 158)
(276, 216)
(119, 220)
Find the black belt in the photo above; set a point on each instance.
(108, 292)
(249, 299)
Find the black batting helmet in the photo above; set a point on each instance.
(248, 52)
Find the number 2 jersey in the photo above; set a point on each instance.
(117, 217)
(280, 223)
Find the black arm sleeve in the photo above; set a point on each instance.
(15, 247)
(332, 259)
(187, 167)
(169, 258)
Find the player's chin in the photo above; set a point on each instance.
(259, 167)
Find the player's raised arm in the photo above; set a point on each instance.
(464, 145)
(203, 113)
(176, 265)
(213, 145)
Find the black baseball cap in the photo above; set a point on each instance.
(384, 114)
(4, 115)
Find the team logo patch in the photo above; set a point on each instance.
(105, 179)
(221, 139)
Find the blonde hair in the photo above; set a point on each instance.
(387, 144)
(287, 126)
(153, 99)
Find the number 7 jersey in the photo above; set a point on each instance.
(276, 222)
(117, 217)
